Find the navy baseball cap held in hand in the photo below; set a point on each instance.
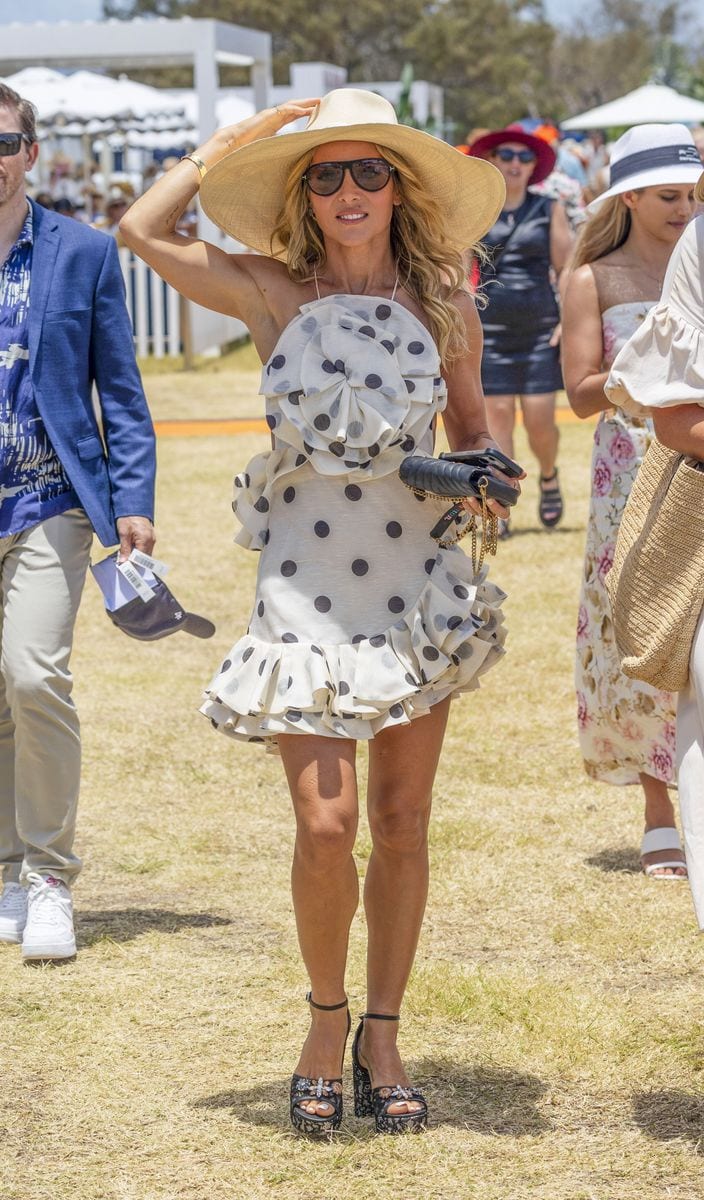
(141, 604)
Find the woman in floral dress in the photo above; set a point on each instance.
(626, 728)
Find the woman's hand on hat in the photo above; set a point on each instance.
(294, 110)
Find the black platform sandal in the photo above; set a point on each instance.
(328, 1091)
(376, 1102)
(550, 506)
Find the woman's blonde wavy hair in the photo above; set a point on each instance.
(604, 231)
(429, 269)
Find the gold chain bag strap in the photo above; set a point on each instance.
(656, 583)
(486, 537)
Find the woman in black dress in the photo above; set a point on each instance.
(528, 247)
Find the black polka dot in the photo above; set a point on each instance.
(339, 366)
(321, 529)
(453, 622)
(323, 603)
(271, 421)
(429, 564)
(410, 386)
(359, 637)
(415, 347)
(353, 492)
(322, 422)
(343, 688)
(383, 312)
(355, 429)
(461, 592)
(308, 448)
(393, 529)
(317, 650)
(360, 566)
(262, 666)
(373, 381)
(337, 449)
(368, 330)
(260, 608)
(239, 482)
(295, 398)
(248, 654)
(226, 665)
(373, 450)
(278, 362)
(408, 444)
(396, 711)
(396, 604)
(300, 459)
(409, 679)
(289, 567)
(430, 653)
(289, 637)
(388, 345)
(262, 504)
(264, 536)
(329, 367)
(289, 494)
(377, 640)
(293, 714)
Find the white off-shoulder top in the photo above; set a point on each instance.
(662, 364)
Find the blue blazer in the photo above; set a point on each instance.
(79, 336)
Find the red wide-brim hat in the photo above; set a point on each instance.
(545, 157)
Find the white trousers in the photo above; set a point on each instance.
(690, 770)
(42, 572)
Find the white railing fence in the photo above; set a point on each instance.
(166, 325)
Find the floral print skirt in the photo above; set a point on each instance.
(626, 728)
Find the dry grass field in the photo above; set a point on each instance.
(555, 1015)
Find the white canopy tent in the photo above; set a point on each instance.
(85, 96)
(652, 102)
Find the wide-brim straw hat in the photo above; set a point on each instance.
(652, 155)
(244, 192)
(545, 157)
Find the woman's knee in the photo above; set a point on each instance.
(325, 840)
(400, 827)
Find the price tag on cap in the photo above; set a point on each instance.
(140, 559)
(136, 580)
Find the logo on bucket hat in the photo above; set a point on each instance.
(140, 603)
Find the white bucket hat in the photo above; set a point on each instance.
(648, 155)
(244, 192)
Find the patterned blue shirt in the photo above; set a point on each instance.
(33, 484)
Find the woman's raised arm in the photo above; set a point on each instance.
(200, 271)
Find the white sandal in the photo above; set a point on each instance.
(665, 838)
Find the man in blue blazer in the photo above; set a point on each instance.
(76, 457)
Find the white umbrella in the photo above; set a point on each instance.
(651, 103)
(85, 96)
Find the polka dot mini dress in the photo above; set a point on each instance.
(360, 621)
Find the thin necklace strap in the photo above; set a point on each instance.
(315, 277)
(393, 294)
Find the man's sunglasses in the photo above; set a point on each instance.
(370, 174)
(10, 143)
(506, 155)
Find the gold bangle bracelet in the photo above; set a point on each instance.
(197, 162)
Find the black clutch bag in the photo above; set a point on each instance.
(459, 476)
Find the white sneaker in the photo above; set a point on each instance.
(49, 929)
(13, 912)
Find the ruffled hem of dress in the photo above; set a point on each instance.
(623, 774)
(661, 366)
(452, 635)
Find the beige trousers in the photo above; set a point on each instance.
(42, 572)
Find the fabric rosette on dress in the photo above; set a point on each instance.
(359, 622)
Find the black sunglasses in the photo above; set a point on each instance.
(326, 178)
(10, 143)
(506, 155)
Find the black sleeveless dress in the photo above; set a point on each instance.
(522, 312)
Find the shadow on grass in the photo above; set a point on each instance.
(124, 924)
(624, 859)
(669, 1115)
(532, 530)
(486, 1100)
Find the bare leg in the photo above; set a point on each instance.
(402, 766)
(321, 776)
(659, 814)
(541, 430)
(501, 411)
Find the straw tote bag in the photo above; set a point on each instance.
(656, 584)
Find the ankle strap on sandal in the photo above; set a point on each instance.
(325, 1007)
(369, 1016)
